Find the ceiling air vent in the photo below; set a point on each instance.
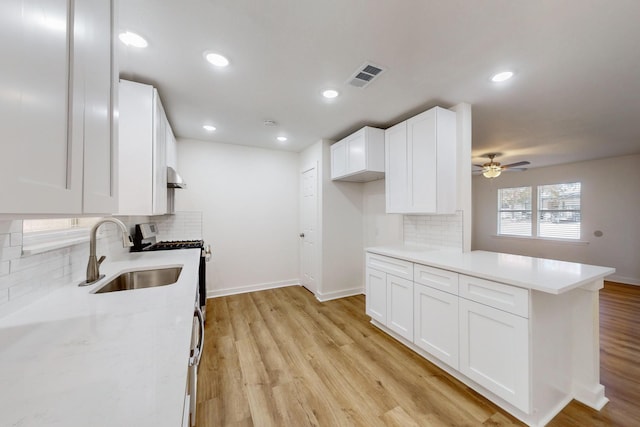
(365, 75)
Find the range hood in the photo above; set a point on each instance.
(174, 180)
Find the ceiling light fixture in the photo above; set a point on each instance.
(216, 59)
(282, 138)
(132, 39)
(492, 171)
(209, 128)
(330, 93)
(502, 76)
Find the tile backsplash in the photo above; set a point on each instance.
(434, 230)
(26, 278)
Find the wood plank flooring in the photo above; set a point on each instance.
(281, 358)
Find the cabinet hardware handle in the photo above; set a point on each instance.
(197, 353)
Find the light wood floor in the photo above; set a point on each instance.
(280, 358)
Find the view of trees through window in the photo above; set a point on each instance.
(558, 211)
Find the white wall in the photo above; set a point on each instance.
(610, 203)
(249, 202)
(339, 243)
(342, 233)
(380, 228)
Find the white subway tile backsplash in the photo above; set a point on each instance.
(4, 268)
(16, 239)
(434, 230)
(10, 226)
(10, 252)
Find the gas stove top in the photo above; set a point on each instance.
(175, 244)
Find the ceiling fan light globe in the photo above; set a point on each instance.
(492, 172)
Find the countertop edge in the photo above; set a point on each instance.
(426, 259)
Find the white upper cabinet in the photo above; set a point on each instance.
(143, 150)
(359, 157)
(94, 83)
(420, 164)
(56, 115)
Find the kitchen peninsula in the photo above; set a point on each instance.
(521, 331)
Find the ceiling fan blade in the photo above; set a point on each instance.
(479, 166)
(509, 166)
(514, 170)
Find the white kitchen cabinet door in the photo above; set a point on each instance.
(420, 164)
(41, 166)
(436, 323)
(159, 158)
(338, 159)
(400, 306)
(172, 149)
(359, 157)
(396, 168)
(93, 85)
(60, 157)
(376, 295)
(143, 134)
(494, 351)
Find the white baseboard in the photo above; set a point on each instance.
(622, 279)
(339, 294)
(213, 293)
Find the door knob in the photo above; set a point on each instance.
(301, 234)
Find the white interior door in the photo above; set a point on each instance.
(308, 221)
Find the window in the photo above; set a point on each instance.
(42, 225)
(514, 211)
(557, 211)
(44, 234)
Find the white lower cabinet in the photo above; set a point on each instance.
(376, 282)
(436, 323)
(400, 306)
(478, 327)
(389, 293)
(494, 351)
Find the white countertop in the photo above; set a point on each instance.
(75, 358)
(539, 274)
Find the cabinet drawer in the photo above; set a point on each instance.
(394, 266)
(498, 295)
(436, 278)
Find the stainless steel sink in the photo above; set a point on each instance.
(142, 279)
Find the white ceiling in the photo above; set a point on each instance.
(575, 95)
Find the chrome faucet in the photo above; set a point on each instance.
(93, 268)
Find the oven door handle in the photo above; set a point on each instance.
(196, 353)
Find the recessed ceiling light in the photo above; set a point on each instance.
(209, 128)
(216, 59)
(132, 39)
(282, 138)
(502, 76)
(330, 93)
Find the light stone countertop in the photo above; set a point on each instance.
(75, 358)
(539, 274)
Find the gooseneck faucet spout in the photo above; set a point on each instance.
(93, 267)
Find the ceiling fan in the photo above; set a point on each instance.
(493, 169)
